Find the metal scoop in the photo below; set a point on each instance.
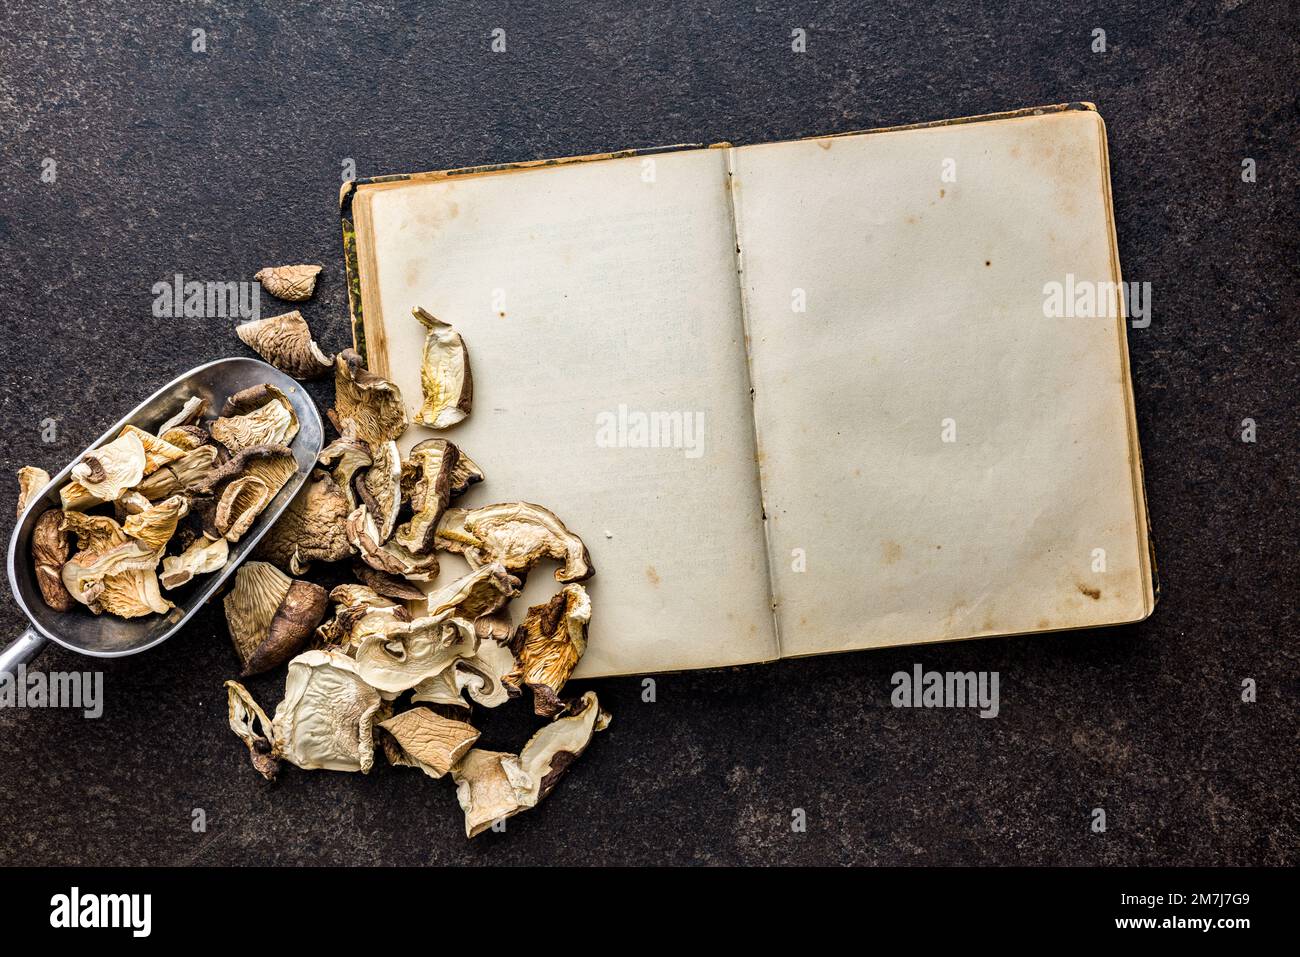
(105, 636)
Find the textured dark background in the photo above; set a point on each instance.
(215, 164)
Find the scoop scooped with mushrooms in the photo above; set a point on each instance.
(151, 512)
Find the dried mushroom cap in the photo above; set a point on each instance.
(120, 580)
(189, 414)
(292, 283)
(390, 557)
(516, 534)
(549, 643)
(370, 402)
(271, 616)
(493, 785)
(313, 528)
(445, 377)
(177, 475)
(327, 715)
(107, 471)
(253, 727)
(428, 741)
(402, 654)
(434, 462)
(95, 533)
(50, 549)
(481, 592)
(244, 498)
(285, 342)
(380, 488)
(31, 481)
(204, 555)
(272, 423)
(156, 524)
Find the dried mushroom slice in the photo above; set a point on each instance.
(465, 474)
(399, 656)
(550, 752)
(271, 616)
(428, 741)
(388, 586)
(370, 402)
(490, 786)
(130, 503)
(482, 592)
(442, 690)
(273, 464)
(389, 557)
(156, 524)
(358, 612)
(253, 727)
(549, 643)
(31, 482)
(326, 720)
(204, 555)
(380, 488)
(434, 462)
(240, 504)
(291, 283)
(50, 549)
(180, 474)
(104, 473)
(483, 675)
(190, 413)
(285, 342)
(313, 528)
(445, 377)
(157, 451)
(258, 415)
(516, 534)
(493, 785)
(187, 438)
(345, 457)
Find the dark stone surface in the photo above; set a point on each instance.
(215, 164)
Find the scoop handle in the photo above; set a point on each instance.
(21, 650)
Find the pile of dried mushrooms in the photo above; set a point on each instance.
(393, 661)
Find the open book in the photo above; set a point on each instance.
(797, 398)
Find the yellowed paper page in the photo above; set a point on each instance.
(599, 303)
(939, 459)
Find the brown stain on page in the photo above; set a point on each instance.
(1093, 593)
(651, 575)
(890, 552)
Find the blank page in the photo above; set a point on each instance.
(589, 295)
(924, 320)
